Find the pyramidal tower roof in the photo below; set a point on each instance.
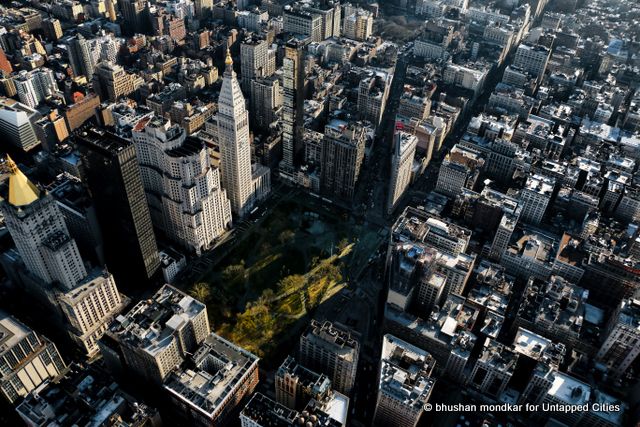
(22, 192)
(231, 101)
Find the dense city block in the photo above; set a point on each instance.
(319, 213)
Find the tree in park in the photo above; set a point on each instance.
(286, 236)
(291, 283)
(234, 273)
(201, 292)
(342, 245)
(255, 324)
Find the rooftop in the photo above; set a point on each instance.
(569, 390)
(106, 141)
(12, 332)
(83, 395)
(334, 336)
(532, 244)
(540, 184)
(555, 302)
(499, 356)
(150, 324)
(569, 251)
(267, 412)
(220, 369)
(318, 384)
(405, 372)
(461, 341)
(630, 313)
(530, 344)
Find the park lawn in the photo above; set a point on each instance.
(276, 316)
(275, 276)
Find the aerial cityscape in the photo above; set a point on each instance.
(319, 213)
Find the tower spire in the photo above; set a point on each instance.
(11, 165)
(228, 62)
(21, 191)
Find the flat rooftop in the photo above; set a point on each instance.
(532, 244)
(540, 184)
(151, 323)
(405, 372)
(334, 336)
(530, 344)
(268, 412)
(12, 332)
(220, 369)
(569, 390)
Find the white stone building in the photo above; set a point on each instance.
(183, 189)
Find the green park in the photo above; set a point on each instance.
(263, 291)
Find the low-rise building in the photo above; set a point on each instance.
(84, 395)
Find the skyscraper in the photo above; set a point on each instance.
(113, 178)
(620, 347)
(203, 8)
(52, 28)
(235, 147)
(266, 100)
(333, 350)
(40, 233)
(405, 383)
(373, 92)
(111, 81)
(156, 335)
(87, 303)
(89, 309)
(342, 154)
(532, 58)
(535, 197)
(26, 89)
(35, 86)
(358, 25)
(16, 124)
(292, 107)
(302, 22)
(255, 60)
(494, 368)
(460, 169)
(296, 385)
(203, 399)
(135, 15)
(404, 150)
(182, 188)
(79, 214)
(81, 57)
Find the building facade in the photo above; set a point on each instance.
(331, 349)
(404, 150)
(114, 181)
(183, 190)
(342, 155)
(27, 359)
(235, 147)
